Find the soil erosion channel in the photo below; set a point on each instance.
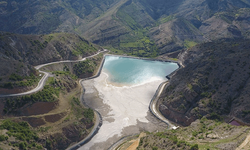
(122, 94)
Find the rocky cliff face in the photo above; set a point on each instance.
(213, 83)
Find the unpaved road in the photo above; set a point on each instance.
(46, 75)
(245, 145)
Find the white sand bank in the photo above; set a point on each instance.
(126, 106)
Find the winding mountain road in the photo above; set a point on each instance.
(153, 106)
(46, 75)
(42, 82)
(98, 122)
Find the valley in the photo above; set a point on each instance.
(57, 93)
(114, 95)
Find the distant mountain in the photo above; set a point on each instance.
(42, 17)
(134, 26)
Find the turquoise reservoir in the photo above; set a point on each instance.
(124, 70)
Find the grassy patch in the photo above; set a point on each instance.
(114, 50)
(83, 47)
(64, 73)
(189, 44)
(132, 44)
(166, 19)
(80, 112)
(20, 81)
(24, 135)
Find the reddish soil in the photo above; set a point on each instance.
(14, 90)
(54, 118)
(39, 108)
(34, 122)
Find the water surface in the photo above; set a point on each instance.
(124, 70)
(122, 94)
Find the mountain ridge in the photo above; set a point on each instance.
(115, 22)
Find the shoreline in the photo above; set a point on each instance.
(99, 121)
(123, 110)
(100, 70)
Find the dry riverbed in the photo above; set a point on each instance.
(124, 110)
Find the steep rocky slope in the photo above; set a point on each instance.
(213, 83)
(19, 53)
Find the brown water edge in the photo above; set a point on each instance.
(94, 100)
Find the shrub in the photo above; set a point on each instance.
(155, 148)
(89, 114)
(194, 147)
(174, 139)
(15, 77)
(3, 138)
(8, 85)
(22, 145)
(215, 116)
(195, 133)
(19, 130)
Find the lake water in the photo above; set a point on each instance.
(122, 94)
(130, 71)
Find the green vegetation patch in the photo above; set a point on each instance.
(20, 81)
(48, 94)
(127, 19)
(26, 138)
(83, 47)
(132, 44)
(19, 130)
(15, 77)
(84, 67)
(189, 44)
(166, 19)
(64, 73)
(80, 112)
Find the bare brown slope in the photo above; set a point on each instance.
(214, 82)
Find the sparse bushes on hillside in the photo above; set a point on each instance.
(21, 131)
(194, 147)
(8, 85)
(20, 81)
(212, 82)
(15, 77)
(48, 94)
(84, 67)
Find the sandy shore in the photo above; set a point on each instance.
(124, 109)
